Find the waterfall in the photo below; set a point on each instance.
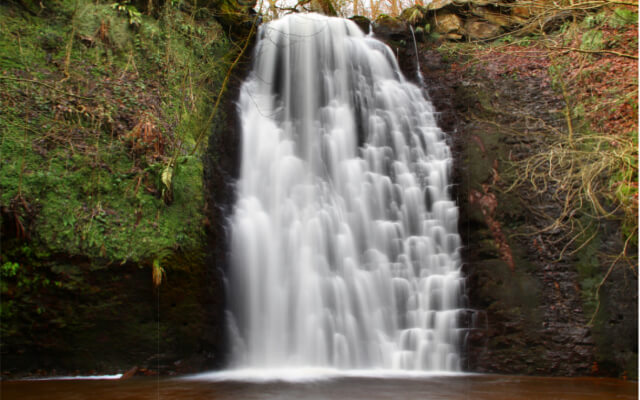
(345, 252)
(415, 50)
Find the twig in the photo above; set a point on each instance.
(569, 49)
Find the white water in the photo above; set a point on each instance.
(76, 378)
(344, 239)
(314, 374)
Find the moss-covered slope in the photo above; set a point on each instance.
(104, 117)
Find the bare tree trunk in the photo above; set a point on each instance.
(394, 8)
(272, 8)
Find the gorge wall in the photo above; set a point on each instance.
(536, 287)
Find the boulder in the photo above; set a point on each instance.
(480, 30)
(415, 15)
(497, 18)
(363, 22)
(390, 27)
(446, 22)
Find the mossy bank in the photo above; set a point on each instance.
(107, 110)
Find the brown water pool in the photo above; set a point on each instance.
(477, 387)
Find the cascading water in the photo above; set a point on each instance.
(344, 238)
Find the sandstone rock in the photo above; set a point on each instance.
(453, 36)
(438, 4)
(446, 22)
(496, 18)
(479, 30)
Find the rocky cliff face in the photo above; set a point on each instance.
(221, 171)
(535, 289)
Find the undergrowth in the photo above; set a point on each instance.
(592, 164)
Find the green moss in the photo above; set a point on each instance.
(91, 188)
(592, 40)
(621, 17)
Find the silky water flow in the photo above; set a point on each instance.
(345, 251)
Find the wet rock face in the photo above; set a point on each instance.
(113, 318)
(536, 307)
(221, 171)
(363, 23)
